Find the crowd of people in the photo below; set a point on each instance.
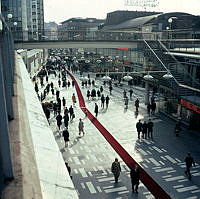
(63, 114)
(145, 128)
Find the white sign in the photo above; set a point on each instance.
(142, 3)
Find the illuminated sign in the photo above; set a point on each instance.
(142, 3)
(190, 106)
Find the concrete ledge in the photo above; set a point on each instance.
(26, 182)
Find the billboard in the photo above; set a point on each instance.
(142, 3)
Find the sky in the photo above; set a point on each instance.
(61, 10)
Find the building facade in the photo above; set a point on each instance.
(27, 22)
(79, 28)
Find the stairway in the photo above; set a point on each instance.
(155, 51)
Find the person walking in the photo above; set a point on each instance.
(116, 169)
(47, 78)
(59, 120)
(66, 137)
(126, 102)
(102, 101)
(137, 103)
(110, 89)
(135, 178)
(51, 84)
(59, 82)
(88, 95)
(71, 112)
(150, 129)
(68, 84)
(73, 99)
(144, 130)
(107, 101)
(101, 89)
(139, 128)
(57, 94)
(131, 93)
(153, 108)
(189, 161)
(64, 102)
(81, 127)
(124, 94)
(66, 120)
(36, 88)
(149, 109)
(96, 109)
(47, 113)
(98, 94)
(52, 91)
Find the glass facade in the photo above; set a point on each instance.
(29, 17)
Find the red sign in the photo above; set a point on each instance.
(190, 106)
(122, 48)
(127, 62)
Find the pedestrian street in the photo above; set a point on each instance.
(90, 157)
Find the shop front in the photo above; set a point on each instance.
(191, 114)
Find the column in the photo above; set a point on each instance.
(146, 92)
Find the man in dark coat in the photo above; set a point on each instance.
(150, 129)
(71, 112)
(137, 103)
(110, 89)
(139, 128)
(64, 101)
(116, 169)
(36, 88)
(189, 161)
(107, 101)
(66, 137)
(131, 93)
(59, 120)
(66, 120)
(135, 177)
(47, 113)
(153, 108)
(102, 101)
(96, 109)
(144, 130)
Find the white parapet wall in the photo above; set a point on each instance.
(54, 179)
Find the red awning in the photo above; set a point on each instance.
(190, 106)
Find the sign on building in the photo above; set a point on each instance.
(142, 3)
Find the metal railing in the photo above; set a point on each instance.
(79, 35)
(179, 67)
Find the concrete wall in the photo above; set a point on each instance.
(26, 181)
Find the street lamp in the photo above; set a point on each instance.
(127, 78)
(106, 78)
(148, 76)
(98, 61)
(168, 75)
(15, 29)
(9, 16)
(170, 21)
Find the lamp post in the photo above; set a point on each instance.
(170, 21)
(9, 17)
(15, 29)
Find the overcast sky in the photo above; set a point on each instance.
(60, 10)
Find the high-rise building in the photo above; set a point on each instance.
(27, 20)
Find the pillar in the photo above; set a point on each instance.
(146, 92)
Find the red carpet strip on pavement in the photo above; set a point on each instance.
(146, 179)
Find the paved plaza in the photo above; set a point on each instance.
(90, 156)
